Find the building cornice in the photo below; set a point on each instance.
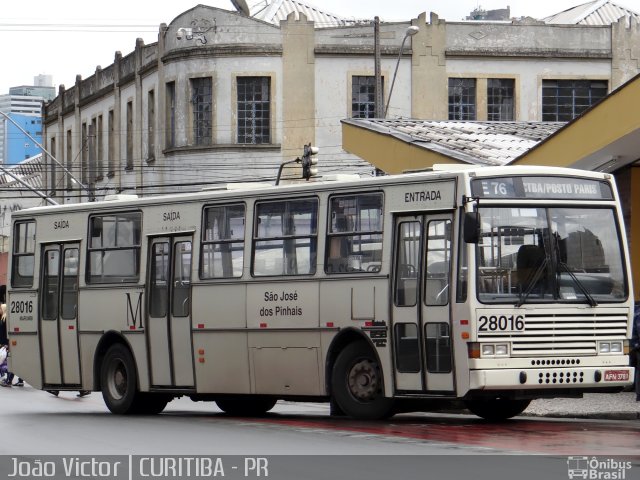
(174, 151)
(528, 53)
(228, 50)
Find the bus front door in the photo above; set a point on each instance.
(169, 312)
(420, 311)
(59, 315)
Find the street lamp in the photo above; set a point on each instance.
(411, 31)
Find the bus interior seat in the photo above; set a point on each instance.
(529, 258)
(338, 253)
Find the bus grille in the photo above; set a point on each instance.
(562, 334)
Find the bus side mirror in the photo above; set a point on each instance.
(471, 227)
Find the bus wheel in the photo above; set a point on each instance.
(356, 384)
(496, 409)
(246, 406)
(119, 381)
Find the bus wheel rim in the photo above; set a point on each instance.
(118, 386)
(363, 380)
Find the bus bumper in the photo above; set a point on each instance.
(551, 378)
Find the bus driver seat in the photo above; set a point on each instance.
(528, 259)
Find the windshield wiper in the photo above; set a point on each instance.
(573, 276)
(580, 285)
(532, 283)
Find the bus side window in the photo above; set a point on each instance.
(223, 242)
(24, 243)
(354, 236)
(285, 237)
(114, 248)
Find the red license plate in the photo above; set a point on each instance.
(616, 375)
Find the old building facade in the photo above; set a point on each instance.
(226, 97)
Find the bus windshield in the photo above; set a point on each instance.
(546, 254)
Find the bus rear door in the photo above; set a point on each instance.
(59, 314)
(420, 310)
(169, 312)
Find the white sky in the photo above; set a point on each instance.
(64, 39)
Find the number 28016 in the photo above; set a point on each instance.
(21, 306)
(501, 323)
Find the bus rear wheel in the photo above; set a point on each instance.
(246, 406)
(357, 385)
(119, 381)
(496, 409)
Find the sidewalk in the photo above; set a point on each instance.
(608, 406)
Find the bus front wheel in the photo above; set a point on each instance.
(357, 385)
(496, 409)
(119, 381)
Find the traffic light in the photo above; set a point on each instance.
(309, 162)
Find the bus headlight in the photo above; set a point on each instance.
(616, 347)
(488, 350)
(495, 349)
(502, 349)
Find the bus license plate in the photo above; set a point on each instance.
(616, 375)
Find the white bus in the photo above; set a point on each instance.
(491, 286)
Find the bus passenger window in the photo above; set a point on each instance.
(285, 238)
(223, 242)
(24, 243)
(354, 237)
(114, 248)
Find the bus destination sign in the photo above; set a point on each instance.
(559, 188)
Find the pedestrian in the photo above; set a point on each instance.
(4, 341)
(4, 369)
(635, 349)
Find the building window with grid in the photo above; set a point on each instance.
(363, 96)
(500, 99)
(564, 100)
(462, 99)
(254, 110)
(201, 101)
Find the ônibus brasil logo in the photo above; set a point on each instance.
(597, 469)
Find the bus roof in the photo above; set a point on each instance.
(240, 190)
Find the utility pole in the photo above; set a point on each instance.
(91, 145)
(377, 71)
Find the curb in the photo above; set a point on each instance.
(587, 416)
